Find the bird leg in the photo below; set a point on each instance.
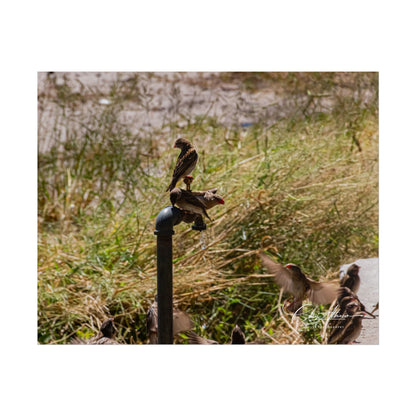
(188, 179)
(369, 313)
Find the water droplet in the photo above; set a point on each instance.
(202, 240)
(244, 235)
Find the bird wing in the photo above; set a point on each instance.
(352, 330)
(352, 282)
(203, 193)
(344, 278)
(343, 291)
(181, 322)
(185, 164)
(105, 341)
(282, 276)
(189, 198)
(337, 331)
(192, 199)
(196, 339)
(322, 293)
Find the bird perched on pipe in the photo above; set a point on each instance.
(351, 279)
(292, 280)
(186, 161)
(181, 322)
(207, 199)
(189, 202)
(107, 331)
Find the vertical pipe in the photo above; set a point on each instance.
(165, 221)
(164, 289)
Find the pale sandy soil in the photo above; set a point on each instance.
(160, 99)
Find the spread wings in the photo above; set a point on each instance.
(282, 276)
(322, 293)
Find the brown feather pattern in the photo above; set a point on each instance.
(186, 162)
(181, 322)
(292, 280)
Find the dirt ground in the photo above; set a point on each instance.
(156, 100)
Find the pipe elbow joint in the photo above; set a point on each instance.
(167, 219)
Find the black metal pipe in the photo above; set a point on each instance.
(165, 221)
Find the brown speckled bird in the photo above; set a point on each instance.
(209, 198)
(107, 331)
(186, 161)
(181, 322)
(342, 320)
(292, 280)
(353, 329)
(351, 279)
(187, 201)
(346, 295)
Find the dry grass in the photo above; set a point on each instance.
(302, 182)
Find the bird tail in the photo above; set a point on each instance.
(206, 213)
(172, 185)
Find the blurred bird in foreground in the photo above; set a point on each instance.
(185, 164)
(292, 280)
(237, 337)
(181, 322)
(107, 331)
(351, 279)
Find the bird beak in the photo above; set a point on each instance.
(221, 201)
